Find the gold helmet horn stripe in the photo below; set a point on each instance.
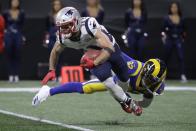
(157, 67)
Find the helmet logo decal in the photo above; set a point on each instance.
(69, 13)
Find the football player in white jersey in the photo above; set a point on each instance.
(85, 32)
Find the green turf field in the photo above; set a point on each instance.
(11, 123)
(37, 83)
(170, 112)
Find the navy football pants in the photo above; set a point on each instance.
(115, 63)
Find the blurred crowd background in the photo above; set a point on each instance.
(143, 28)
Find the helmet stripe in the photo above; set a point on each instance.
(157, 67)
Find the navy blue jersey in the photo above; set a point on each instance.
(173, 30)
(135, 23)
(13, 25)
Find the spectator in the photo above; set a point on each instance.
(173, 35)
(50, 37)
(2, 27)
(14, 20)
(135, 19)
(94, 9)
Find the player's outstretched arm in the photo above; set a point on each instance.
(54, 56)
(146, 100)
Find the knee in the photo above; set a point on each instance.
(124, 76)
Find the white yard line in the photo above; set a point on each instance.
(18, 89)
(35, 89)
(178, 88)
(44, 120)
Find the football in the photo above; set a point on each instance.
(91, 54)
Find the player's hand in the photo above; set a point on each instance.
(87, 63)
(137, 110)
(51, 75)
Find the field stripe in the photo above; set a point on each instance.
(18, 89)
(44, 121)
(36, 89)
(175, 88)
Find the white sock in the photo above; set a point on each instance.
(124, 85)
(116, 91)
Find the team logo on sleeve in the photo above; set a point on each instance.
(94, 25)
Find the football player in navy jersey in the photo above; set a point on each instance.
(79, 32)
(145, 78)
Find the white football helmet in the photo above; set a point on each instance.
(68, 21)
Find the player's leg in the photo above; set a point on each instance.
(72, 87)
(92, 86)
(103, 73)
(78, 87)
(119, 66)
(46, 91)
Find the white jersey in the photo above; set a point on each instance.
(89, 27)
